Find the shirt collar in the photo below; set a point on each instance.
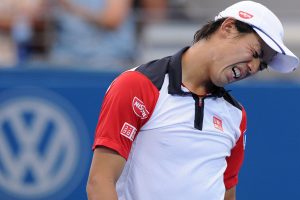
(175, 73)
(175, 76)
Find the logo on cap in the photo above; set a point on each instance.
(245, 15)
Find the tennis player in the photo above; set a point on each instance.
(169, 130)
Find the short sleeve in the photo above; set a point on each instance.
(235, 160)
(127, 106)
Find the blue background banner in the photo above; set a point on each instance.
(48, 118)
(271, 166)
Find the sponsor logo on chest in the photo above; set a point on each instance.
(218, 123)
(139, 108)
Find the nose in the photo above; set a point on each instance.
(253, 66)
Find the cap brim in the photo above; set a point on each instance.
(284, 61)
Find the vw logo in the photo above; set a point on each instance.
(43, 148)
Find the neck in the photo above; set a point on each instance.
(196, 64)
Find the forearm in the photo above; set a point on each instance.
(106, 168)
(110, 17)
(230, 194)
(6, 20)
(104, 190)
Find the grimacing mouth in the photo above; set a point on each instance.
(236, 72)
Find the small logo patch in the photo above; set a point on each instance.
(128, 131)
(245, 15)
(218, 123)
(139, 108)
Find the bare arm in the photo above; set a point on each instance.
(230, 193)
(157, 7)
(11, 9)
(105, 170)
(111, 16)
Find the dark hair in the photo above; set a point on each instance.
(208, 29)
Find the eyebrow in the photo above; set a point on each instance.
(263, 64)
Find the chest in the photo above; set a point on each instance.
(181, 114)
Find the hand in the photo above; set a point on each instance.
(67, 5)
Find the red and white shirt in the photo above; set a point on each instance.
(177, 145)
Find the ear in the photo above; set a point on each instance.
(228, 27)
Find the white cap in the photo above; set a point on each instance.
(268, 27)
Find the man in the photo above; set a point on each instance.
(94, 33)
(169, 130)
(18, 20)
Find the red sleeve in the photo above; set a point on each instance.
(127, 106)
(235, 160)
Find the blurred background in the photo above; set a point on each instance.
(57, 58)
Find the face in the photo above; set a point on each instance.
(242, 55)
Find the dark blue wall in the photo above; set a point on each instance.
(272, 162)
(71, 101)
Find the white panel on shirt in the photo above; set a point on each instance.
(170, 159)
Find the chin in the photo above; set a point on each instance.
(220, 84)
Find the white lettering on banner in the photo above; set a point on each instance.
(39, 151)
(139, 108)
(244, 141)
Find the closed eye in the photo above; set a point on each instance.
(255, 55)
(263, 65)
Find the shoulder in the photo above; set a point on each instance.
(230, 99)
(131, 80)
